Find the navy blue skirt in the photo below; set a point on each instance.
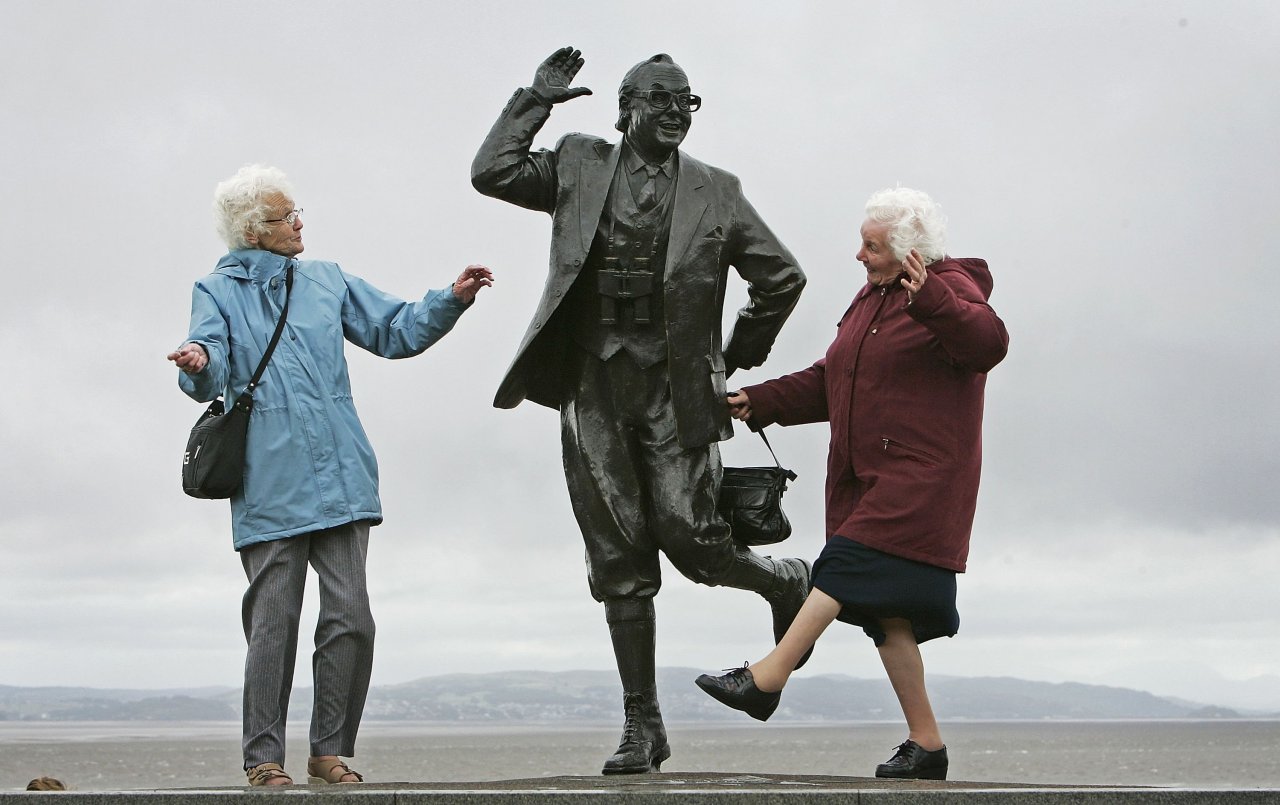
(871, 585)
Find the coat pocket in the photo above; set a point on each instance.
(894, 447)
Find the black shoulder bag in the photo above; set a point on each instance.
(213, 464)
(751, 501)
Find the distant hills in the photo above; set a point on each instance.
(584, 697)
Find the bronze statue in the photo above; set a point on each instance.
(626, 343)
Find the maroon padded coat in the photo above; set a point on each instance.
(902, 386)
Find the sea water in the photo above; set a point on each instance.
(112, 756)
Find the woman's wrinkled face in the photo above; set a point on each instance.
(280, 237)
(876, 255)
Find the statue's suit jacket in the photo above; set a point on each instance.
(712, 227)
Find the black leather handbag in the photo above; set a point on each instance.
(751, 501)
(213, 463)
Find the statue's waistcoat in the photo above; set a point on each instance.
(616, 302)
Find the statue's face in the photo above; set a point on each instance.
(657, 132)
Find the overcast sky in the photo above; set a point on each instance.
(1115, 162)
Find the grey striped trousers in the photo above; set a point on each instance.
(343, 658)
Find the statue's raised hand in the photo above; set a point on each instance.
(554, 75)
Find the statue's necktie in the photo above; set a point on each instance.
(649, 191)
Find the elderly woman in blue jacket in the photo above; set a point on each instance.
(310, 490)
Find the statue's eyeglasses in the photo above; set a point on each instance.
(289, 219)
(661, 99)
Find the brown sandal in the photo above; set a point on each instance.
(330, 771)
(264, 773)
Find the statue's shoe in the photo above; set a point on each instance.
(792, 590)
(644, 738)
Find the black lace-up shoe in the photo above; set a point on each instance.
(913, 762)
(738, 690)
(644, 738)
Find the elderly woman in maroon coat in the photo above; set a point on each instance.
(902, 386)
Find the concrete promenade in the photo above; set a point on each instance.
(699, 788)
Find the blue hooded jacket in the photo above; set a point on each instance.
(309, 464)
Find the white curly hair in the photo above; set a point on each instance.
(915, 222)
(239, 203)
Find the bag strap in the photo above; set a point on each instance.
(766, 444)
(790, 474)
(244, 402)
(275, 337)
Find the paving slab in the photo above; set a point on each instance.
(697, 788)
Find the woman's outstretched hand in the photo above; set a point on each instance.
(470, 281)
